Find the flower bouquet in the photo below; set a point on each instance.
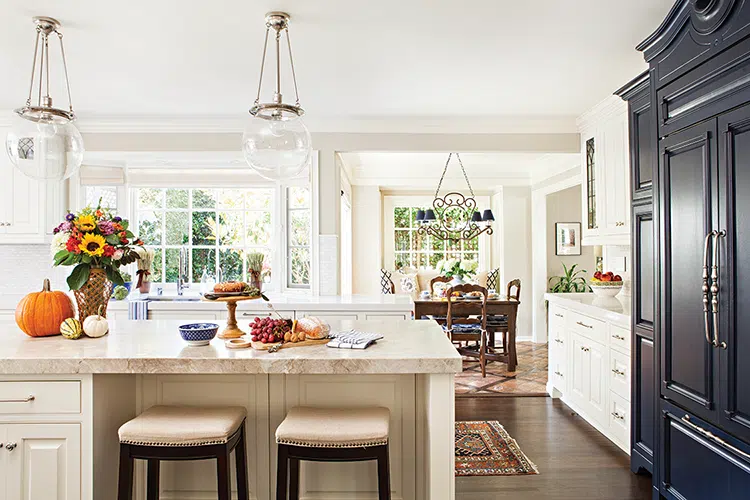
(97, 244)
(454, 268)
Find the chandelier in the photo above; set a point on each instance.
(276, 143)
(454, 217)
(43, 142)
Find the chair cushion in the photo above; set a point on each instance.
(183, 426)
(465, 328)
(334, 427)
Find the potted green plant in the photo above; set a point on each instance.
(572, 281)
(127, 280)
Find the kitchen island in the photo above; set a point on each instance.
(84, 390)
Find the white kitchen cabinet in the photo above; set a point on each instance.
(43, 461)
(558, 343)
(605, 160)
(589, 384)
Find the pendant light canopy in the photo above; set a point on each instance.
(44, 143)
(276, 142)
(454, 217)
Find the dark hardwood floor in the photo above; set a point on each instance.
(575, 461)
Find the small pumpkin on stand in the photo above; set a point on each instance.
(39, 314)
(96, 325)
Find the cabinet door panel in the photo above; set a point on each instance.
(642, 144)
(687, 202)
(598, 362)
(45, 464)
(616, 169)
(734, 280)
(643, 270)
(581, 363)
(643, 400)
(25, 207)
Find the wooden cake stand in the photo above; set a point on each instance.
(232, 331)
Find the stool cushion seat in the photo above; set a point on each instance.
(334, 427)
(183, 426)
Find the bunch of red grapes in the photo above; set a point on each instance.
(269, 330)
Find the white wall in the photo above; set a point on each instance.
(565, 206)
(516, 251)
(367, 244)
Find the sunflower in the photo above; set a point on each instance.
(92, 244)
(86, 223)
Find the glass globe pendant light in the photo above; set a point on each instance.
(43, 142)
(276, 142)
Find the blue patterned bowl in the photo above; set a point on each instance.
(196, 334)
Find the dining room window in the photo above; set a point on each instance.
(219, 228)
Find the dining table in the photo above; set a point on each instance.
(501, 306)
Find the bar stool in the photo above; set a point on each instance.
(184, 433)
(331, 435)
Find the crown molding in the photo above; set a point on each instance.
(610, 106)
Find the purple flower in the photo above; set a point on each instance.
(106, 227)
(63, 227)
(117, 218)
(70, 217)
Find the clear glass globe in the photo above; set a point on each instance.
(277, 148)
(48, 149)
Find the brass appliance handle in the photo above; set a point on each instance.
(705, 287)
(715, 290)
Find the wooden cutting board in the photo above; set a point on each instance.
(264, 347)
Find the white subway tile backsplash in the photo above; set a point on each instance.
(24, 267)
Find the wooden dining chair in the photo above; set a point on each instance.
(498, 323)
(459, 330)
(438, 279)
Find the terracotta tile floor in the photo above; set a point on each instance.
(529, 379)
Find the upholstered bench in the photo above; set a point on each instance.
(331, 435)
(184, 433)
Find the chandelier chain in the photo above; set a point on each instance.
(278, 66)
(65, 70)
(291, 62)
(46, 64)
(41, 69)
(33, 67)
(445, 169)
(262, 66)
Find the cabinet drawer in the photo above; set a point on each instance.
(619, 374)
(386, 316)
(619, 338)
(619, 419)
(699, 461)
(36, 397)
(556, 317)
(594, 329)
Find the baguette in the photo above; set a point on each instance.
(312, 328)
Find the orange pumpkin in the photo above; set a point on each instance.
(40, 314)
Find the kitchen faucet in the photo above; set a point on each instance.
(183, 280)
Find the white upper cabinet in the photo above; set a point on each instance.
(29, 209)
(605, 166)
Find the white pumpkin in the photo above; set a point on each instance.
(95, 325)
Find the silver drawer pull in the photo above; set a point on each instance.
(26, 400)
(11, 446)
(618, 372)
(559, 315)
(558, 374)
(583, 324)
(559, 341)
(710, 435)
(618, 416)
(618, 337)
(585, 349)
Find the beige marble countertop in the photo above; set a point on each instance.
(613, 309)
(156, 347)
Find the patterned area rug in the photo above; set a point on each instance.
(529, 379)
(484, 448)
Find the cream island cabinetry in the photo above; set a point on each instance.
(62, 444)
(589, 360)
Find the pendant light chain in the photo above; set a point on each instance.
(65, 69)
(445, 169)
(291, 61)
(262, 65)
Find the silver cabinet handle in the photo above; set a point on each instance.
(618, 337)
(583, 324)
(711, 436)
(560, 341)
(715, 290)
(705, 287)
(618, 372)
(559, 315)
(585, 349)
(11, 446)
(558, 374)
(618, 416)
(25, 400)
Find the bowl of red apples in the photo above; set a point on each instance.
(606, 284)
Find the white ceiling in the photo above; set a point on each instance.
(489, 62)
(486, 171)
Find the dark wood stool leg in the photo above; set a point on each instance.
(125, 480)
(222, 474)
(384, 474)
(240, 460)
(282, 477)
(294, 479)
(152, 480)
